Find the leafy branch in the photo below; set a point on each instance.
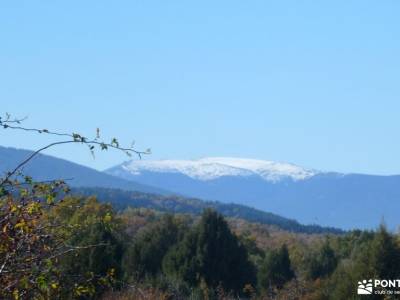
(37, 240)
(8, 122)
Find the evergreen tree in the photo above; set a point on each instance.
(212, 254)
(323, 262)
(180, 263)
(384, 255)
(276, 269)
(222, 259)
(378, 257)
(144, 256)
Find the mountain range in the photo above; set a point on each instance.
(123, 193)
(307, 195)
(330, 199)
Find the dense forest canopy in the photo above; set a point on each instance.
(176, 256)
(122, 199)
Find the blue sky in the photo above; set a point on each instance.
(315, 83)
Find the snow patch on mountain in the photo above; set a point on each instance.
(214, 167)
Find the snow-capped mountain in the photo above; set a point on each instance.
(123, 193)
(215, 167)
(311, 197)
(307, 195)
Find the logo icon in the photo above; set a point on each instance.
(365, 287)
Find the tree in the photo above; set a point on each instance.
(27, 250)
(275, 270)
(384, 255)
(88, 222)
(147, 250)
(322, 263)
(375, 255)
(212, 254)
(180, 263)
(30, 245)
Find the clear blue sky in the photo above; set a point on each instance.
(315, 83)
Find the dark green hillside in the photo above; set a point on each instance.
(177, 204)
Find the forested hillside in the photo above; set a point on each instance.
(146, 254)
(176, 204)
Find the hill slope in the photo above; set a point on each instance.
(176, 204)
(45, 167)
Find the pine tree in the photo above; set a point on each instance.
(211, 254)
(323, 262)
(276, 269)
(144, 257)
(384, 255)
(180, 263)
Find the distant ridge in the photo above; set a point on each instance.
(332, 199)
(46, 167)
(215, 167)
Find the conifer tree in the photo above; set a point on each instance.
(145, 255)
(276, 269)
(211, 254)
(323, 262)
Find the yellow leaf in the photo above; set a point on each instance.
(21, 224)
(107, 218)
(16, 294)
